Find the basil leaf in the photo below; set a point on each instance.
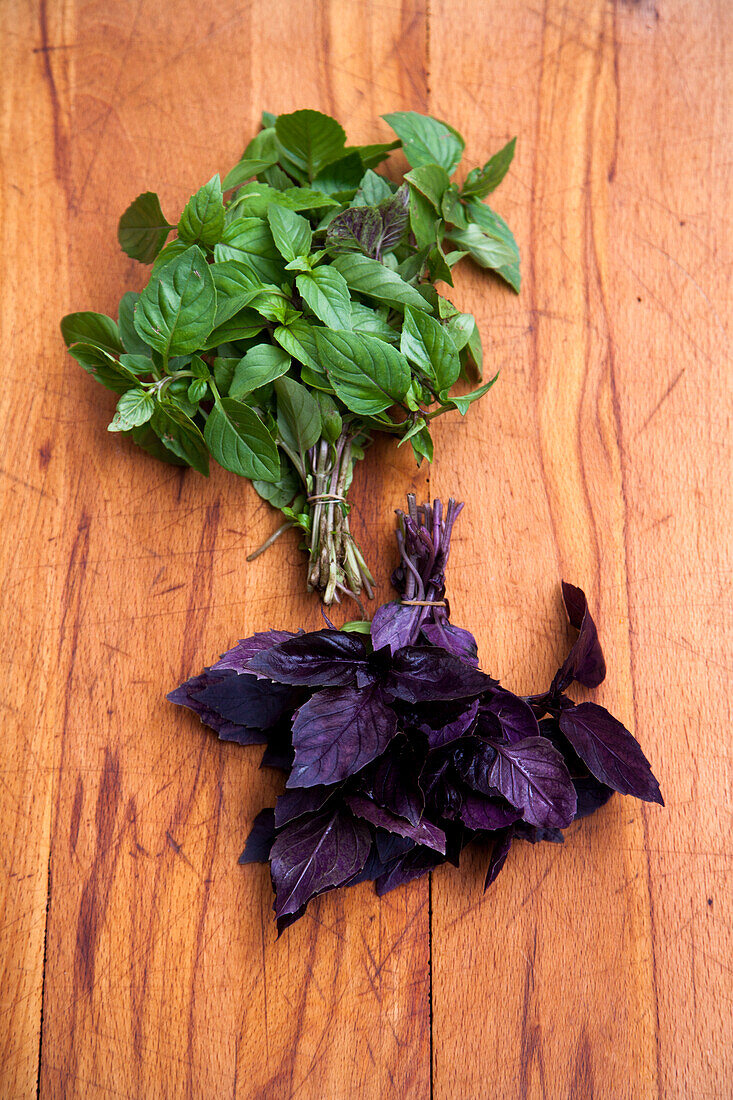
(134, 408)
(430, 180)
(172, 249)
(236, 286)
(202, 220)
(460, 327)
(299, 340)
(240, 442)
(92, 328)
(373, 189)
(142, 229)
(340, 177)
(480, 182)
(309, 140)
(262, 364)
(486, 250)
(331, 421)
(176, 311)
(249, 241)
(364, 319)
(102, 366)
(463, 402)
(422, 445)
(145, 438)
(372, 278)
(242, 326)
(246, 169)
(281, 492)
(423, 220)
(497, 228)
(426, 343)
(125, 322)
(291, 232)
(298, 415)
(427, 140)
(255, 199)
(368, 374)
(326, 292)
(181, 436)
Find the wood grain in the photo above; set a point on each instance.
(137, 959)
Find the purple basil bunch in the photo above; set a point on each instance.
(398, 750)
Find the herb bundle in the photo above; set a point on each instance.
(294, 315)
(398, 750)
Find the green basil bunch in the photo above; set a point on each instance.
(294, 314)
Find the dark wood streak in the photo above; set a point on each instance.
(582, 1086)
(76, 814)
(62, 157)
(531, 1035)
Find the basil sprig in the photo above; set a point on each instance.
(294, 313)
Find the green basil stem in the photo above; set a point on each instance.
(337, 566)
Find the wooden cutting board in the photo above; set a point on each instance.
(137, 959)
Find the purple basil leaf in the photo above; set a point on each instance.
(474, 761)
(391, 781)
(187, 696)
(337, 732)
(394, 213)
(314, 854)
(423, 833)
(534, 834)
(246, 701)
(478, 812)
(299, 801)
(425, 674)
(323, 658)
(260, 839)
(450, 729)
(236, 658)
(393, 625)
(532, 776)
(516, 718)
(499, 852)
(461, 643)
(382, 856)
(409, 867)
(609, 751)
(585, 661)
(373, 230)
(591, 795)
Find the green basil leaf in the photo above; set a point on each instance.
(427, 140)
(249, 241)
(198, 390)
(298, 416)
(138, 364)
(134, 408)
(181, 436)
(368, 374)
(102, 366)
(461, 326)
(372, 155)
(147, 439)
(438, 265)
(262, 364)
(202, 220)
(452, 209)
(309, 140)
(357, 626)
(299, 340)
(291, 232)
(373, 279)
(326, 293)
(281, 492)
(331, 421)
(369, 321)
(125, 322)
(430, 180)
(172, 249)
(480, 182)
(373, 189)
(92, 328)
(426, 343)
(423, 220)
(341, 176)
(496, 227)
(176, 311)
(474, 354)
(236, 286)
(255, 199)
(240, 442)
(246, 169)
(142, 229)
(242, 326)
(485, 250)
(463, 402)
(224, 368)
